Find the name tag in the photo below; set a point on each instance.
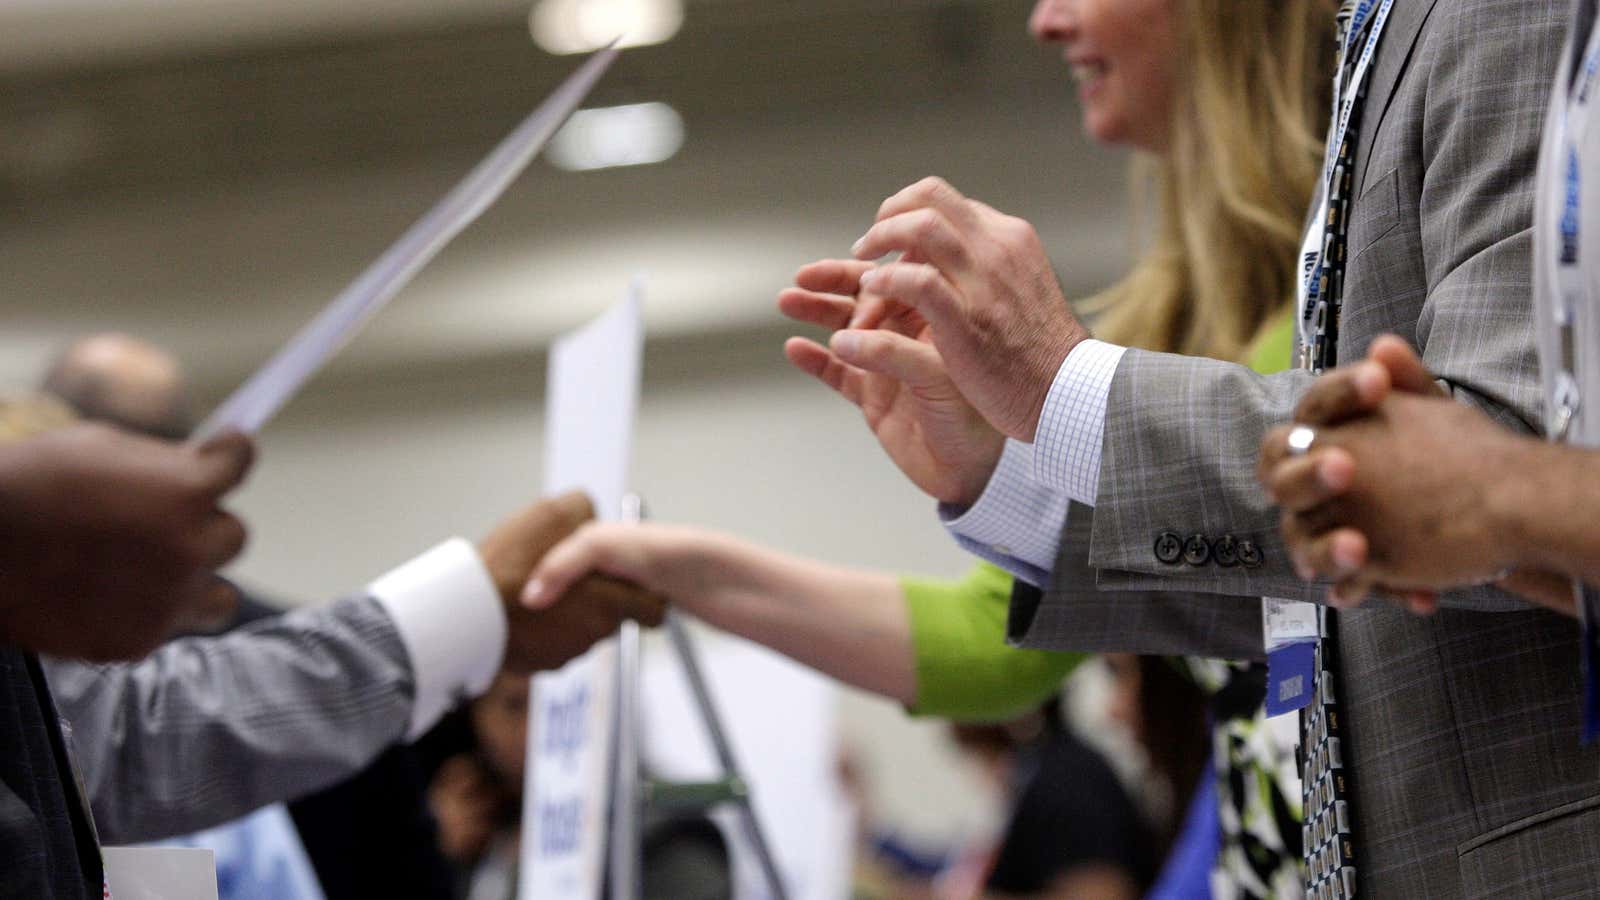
(1288, 621)
(159, 873)
(1292, 628)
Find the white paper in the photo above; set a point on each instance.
(160, 873)
(265, 392)
(1288, 621)
(593, 394)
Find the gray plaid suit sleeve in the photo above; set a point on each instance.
(1072, 613)
(1462, 728)
(207, 729)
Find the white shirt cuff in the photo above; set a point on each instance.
(1072, 425)
(450, 618)
(1016, 524)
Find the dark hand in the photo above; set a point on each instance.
(110, 541)
(1393, 494)
(591, 611)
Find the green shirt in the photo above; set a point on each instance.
(965, 668)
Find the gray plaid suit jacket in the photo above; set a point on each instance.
(1468, 773)
(207, 729)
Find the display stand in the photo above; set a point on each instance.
(634, 794)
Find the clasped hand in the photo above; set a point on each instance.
(1396, 492)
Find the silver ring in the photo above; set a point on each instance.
(1300, 439)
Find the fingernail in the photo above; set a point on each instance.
(1335, 599)
(868, 278)
(1327, 479)
(533, 594)
(846, 344)
(1303, 570)
(856, 247)
(1345, 558)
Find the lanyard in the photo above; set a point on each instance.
(1570, 287)
(1293, 628)
(1571, 294)
(1345, 98)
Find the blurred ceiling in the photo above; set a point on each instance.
(209, 172)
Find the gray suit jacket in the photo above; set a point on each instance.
(1468, 774)
(207, 729)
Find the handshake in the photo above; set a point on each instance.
(110, 543)
(588, 611)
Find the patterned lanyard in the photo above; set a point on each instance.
(1572, 296)
(1327, 840)
(1322, 290)
(1570, 288)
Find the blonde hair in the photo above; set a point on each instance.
(1245, 154)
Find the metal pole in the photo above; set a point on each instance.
(626, 844)
(678, 633)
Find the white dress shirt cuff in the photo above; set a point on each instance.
(450, 618)
(1016, 524)
(1072, 425)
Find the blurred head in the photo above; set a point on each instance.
(123, 381)
(1166, 713)
(1122, 702)
(1229, 101)
(1122, 54)
(995, 744)
(500, 722)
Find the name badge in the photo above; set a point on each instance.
(159, 873)
(1292, 628)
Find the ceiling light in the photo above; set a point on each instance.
(634, 135)
(579, 26)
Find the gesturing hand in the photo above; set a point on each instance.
(984, 283)
(549, 638)
(109, 541)
(883, 360)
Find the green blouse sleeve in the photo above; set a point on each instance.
(965, 668)
(1273, 350)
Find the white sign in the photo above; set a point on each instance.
(593, 394)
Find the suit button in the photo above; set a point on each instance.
(1249, 554)
(1226, 551)
(1196, 552)
(1169, 548)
